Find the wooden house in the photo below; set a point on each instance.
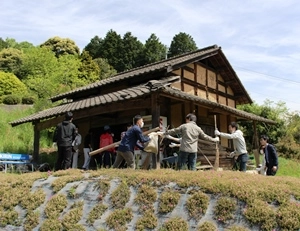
(202, 82)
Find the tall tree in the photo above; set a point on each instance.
(11, 60)
(40, 71)
(61, 46)
(111, 50)
(154, 50)
(3, 44)
(89, 70)
(106, 70)
(276, 112)
(131, 53)
(181, 44)
(93, 47)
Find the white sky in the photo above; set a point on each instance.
(260, 38)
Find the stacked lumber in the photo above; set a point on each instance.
(208, 149)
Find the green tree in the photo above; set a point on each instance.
(181, 44)
(10, 84)
(89, 70)
(93, 47)
(273, 111)
(3, 44)
(111, 50)
(106, 70)
(41, 72)
(12, 43)
(61, 46)
(11, 60)
(132, 52)
(154, 50)
(68, 73)
(38, 62)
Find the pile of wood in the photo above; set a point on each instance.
(207, 154)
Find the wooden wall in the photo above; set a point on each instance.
(202, 81)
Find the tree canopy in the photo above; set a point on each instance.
(181, 44)
(61, 46)
(154, 50)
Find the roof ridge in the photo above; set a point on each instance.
(112, 78)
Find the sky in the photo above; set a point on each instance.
(260, 38)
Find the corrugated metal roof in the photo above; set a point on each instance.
(132, 93)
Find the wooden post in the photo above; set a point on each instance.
(36, 143)
(216, 165)
(256, 145)
(155, 113)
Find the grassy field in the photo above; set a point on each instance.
(17, 139)
(289, 168)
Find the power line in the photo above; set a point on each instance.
(276, 98)
(272, 76)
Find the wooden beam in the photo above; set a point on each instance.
(102, 109)
(155, 112)
(256, 145)
(36, 144)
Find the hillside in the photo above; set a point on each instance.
(148, 200)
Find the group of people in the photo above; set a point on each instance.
(68, 139)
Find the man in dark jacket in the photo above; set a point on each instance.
(270, 156)
(129, 141)
(64, 135)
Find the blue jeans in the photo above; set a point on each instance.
(242, 160)
(187, 158)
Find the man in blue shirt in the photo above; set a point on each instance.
(126, 147)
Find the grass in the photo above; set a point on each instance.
(18, 139)
(257, 201)
(288, 167)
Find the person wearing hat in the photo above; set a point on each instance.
(106, 139)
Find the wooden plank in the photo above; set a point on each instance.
(117, 143)
(203, 167)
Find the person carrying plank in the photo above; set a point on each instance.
(129, 141)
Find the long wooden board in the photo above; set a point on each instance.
(117, 143)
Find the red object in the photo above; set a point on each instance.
(105, 140)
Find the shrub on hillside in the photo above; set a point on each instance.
(11, 99)
(28, 99)
(10, 84)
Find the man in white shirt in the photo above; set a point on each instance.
(239, 144)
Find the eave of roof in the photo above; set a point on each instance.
(168, 65)
(132, 93)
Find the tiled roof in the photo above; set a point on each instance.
(132, 93)
(239, 113)
(168, 65)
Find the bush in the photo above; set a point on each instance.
(224, 209)
(197, 205)
(10, 84)
(207, 226)
(175, 223)
(11, 99)
(28, 99)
